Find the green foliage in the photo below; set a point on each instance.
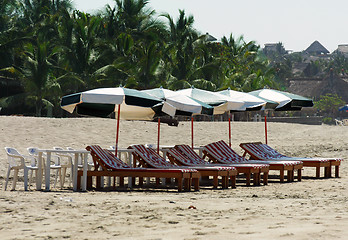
(328, 104)
(49, 50)
(328, 120)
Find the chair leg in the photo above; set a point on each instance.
(196, 183)
(122, 182)
(329, 171)
(58, 173)
(179, 182)
(317, 172)
(257, 179)
(289, 176)
(15, 177)
(299, 175)
(31, 177)
(337, 171)
(215, 182)
(247, 175)
(60, 178)
(25, 179)
(63, 176)
(71, 175)
(224, 182)
(281, 176)
(7, 177)
(265, 178)
(233, 181)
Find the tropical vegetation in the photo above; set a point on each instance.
(49, 49)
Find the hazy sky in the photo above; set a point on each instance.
(295, 23)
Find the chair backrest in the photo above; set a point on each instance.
(105, 158)
(190, 155)
(223, 153)
(178, 157)
(14, 157)
(258, 150)
(151, 157)
(12, 151)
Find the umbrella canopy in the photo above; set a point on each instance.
(344, 108)
(221, 103)
(287, 101)
(251, 102)
(180, 104)
(101, 102)
(183, 105)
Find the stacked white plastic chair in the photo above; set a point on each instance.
(17, 162)
(56, 165)
(66, 162)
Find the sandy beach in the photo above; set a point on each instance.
(311, 209)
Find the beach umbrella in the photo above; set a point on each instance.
(251, 102)
(344, 108)
(181, 104)
(130, 104)
(286, 101)
(221, 103)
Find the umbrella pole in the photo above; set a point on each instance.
(117, 128)
(266, 129)
(192, 132)
(158, 134)
(229, 129)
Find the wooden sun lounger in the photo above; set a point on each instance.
(258, 150)
(248, 170)
(205, 168)
(112, 166)
(220, 152)
(148, 157)
(192, 159)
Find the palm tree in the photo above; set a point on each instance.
(244, 69)
(180, 51)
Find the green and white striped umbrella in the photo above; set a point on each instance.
(130, 104)
(101, 102)
(221, 103)
(181, 105)
(286, 101)
(251, 102)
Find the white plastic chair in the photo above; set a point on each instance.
(56, 165)
(16, 162)
(65, 164)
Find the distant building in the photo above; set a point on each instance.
(316, 49)
(315, 87)
(209, 38)
(343, 49)
(272, 48)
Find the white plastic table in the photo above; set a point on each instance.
(84, 156)
(83, 153)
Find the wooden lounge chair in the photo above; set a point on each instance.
(177, 157)
(110, 165)
(192, 158)
(148, 157)
(220, 152)
(258, 150)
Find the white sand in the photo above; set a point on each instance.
(311, 209)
